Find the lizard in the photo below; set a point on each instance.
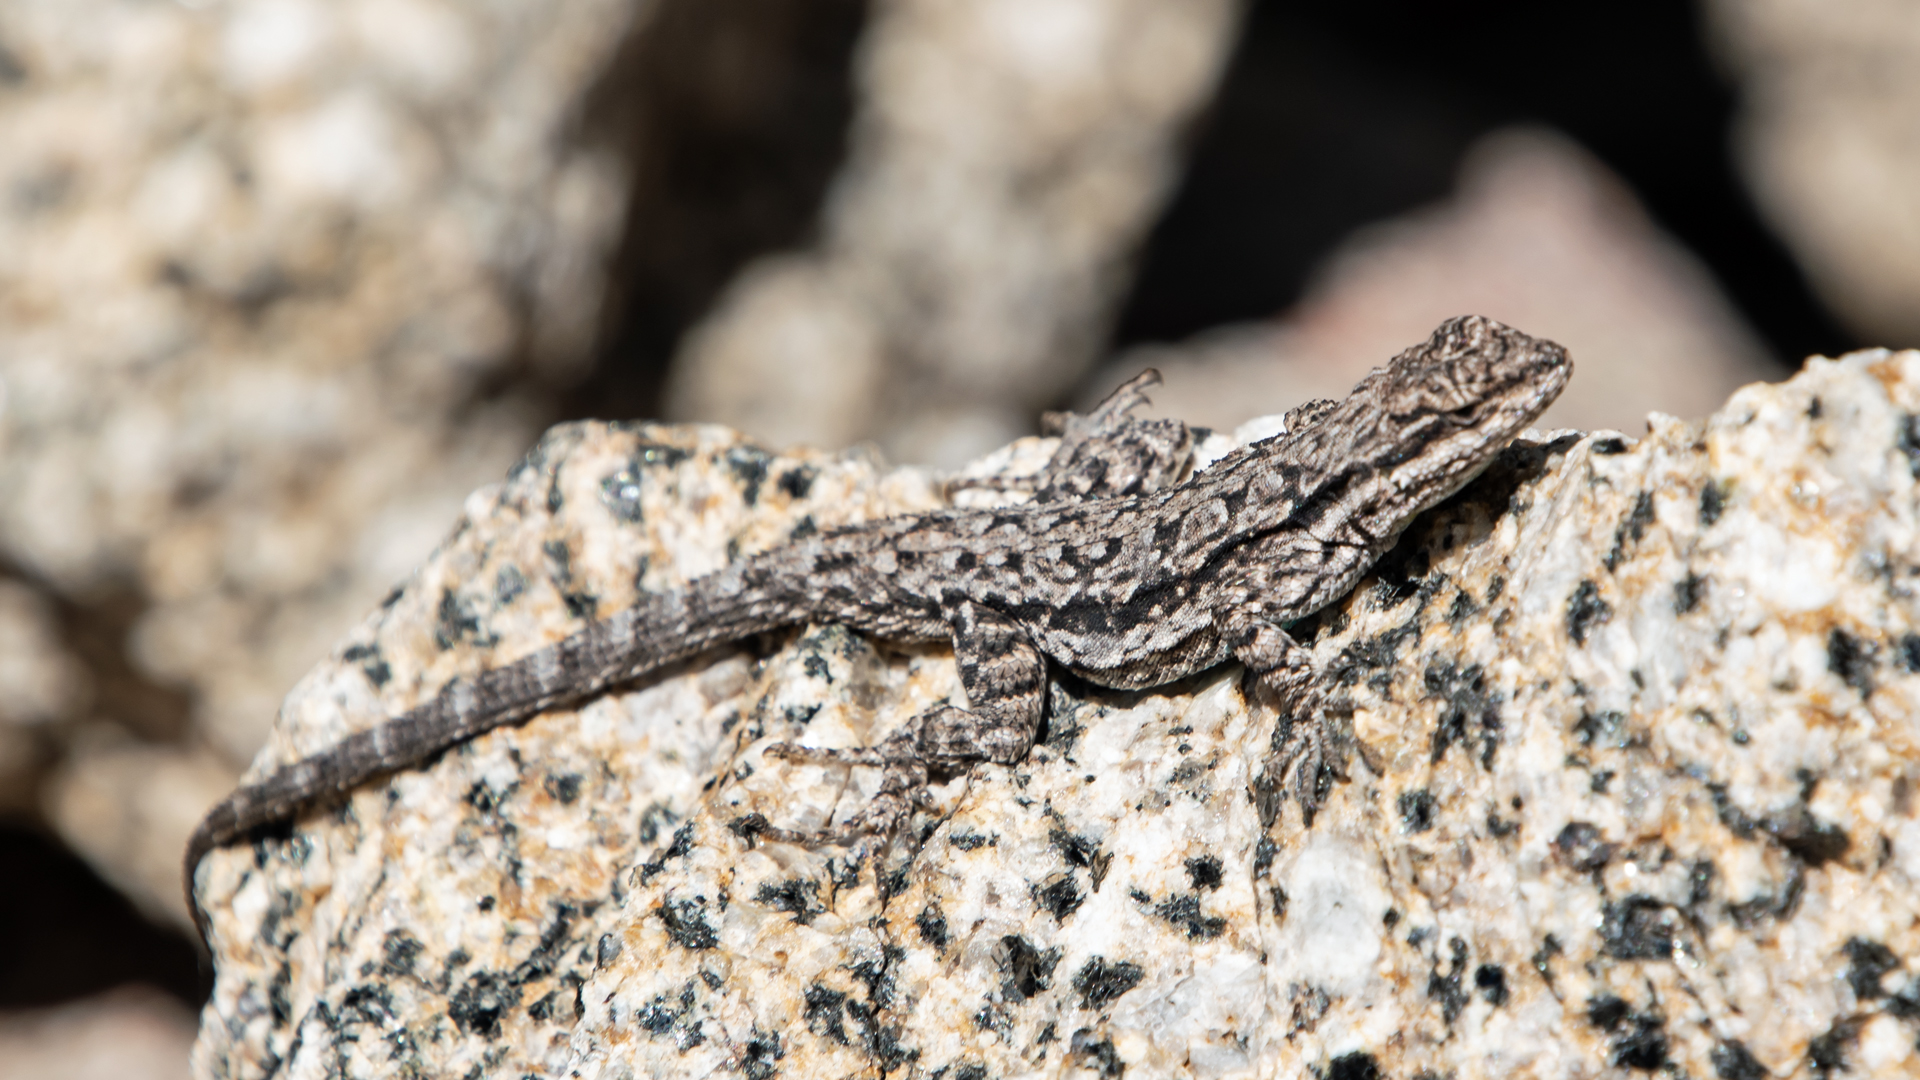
(1121, 569)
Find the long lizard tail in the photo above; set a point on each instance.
(734, 603)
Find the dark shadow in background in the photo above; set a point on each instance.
(732, 116)
(1334, 116)
(65, 934)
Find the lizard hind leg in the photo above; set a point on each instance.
(1005, 678)
(1284, 668)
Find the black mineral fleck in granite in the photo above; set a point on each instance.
(1447, 988)
(1733, 1061)
(400, 950)
(686, 922)
(1100, 982)
(508, 584)
(1585, 609)
(1077, 848)
(761, 1055)
(1416, 810)
(1909, 440)
(1263, 853)
(1632, 530)
(1099, 1056)
(1637, 928)
(799, 897)
(1815, 842)
(1358, 1065)
(372, 664)
(478, 1005)
(1184, 911)
(1026, 970)
(1470, 711)
(1827, 1053)
(1853, 659)
(456, 623)
(654, 455)
(749, 467)
(1713, 501)
(1061, 897)
(824, 1015)
(932, 924)
(1606, 728)
(564, 787)
(1491, 981)
(878, 974)
(1206, 872)
(1641, 1043)
(1700, 882)
(1638, 1038)
(1867, 964)
(1687, 593)
(797, 481)
(682, 843)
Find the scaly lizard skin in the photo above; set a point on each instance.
(1112, 572)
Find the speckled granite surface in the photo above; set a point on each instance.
(1627, 756)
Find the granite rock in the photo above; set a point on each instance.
(1622, 779)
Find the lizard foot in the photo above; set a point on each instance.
(1300, 736)
(1299, 755)
(903, 789)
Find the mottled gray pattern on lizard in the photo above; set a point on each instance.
(1107, 573)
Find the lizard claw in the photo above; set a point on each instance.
(1299, 751)
(824, 755)
(903, 788)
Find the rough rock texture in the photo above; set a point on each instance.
(1830, 97)
(1007, 156)
(269, 272)
(1626, 761)
(1538, 234)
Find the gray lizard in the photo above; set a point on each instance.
(1112, 571)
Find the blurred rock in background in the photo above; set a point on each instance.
(1007, 157)
(282, 280)
(1538, 235)
(127, 1034)
(1827, 141)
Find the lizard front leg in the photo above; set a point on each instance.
(1005, 678)
(1283, 667)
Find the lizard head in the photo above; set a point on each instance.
(1440, 411)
